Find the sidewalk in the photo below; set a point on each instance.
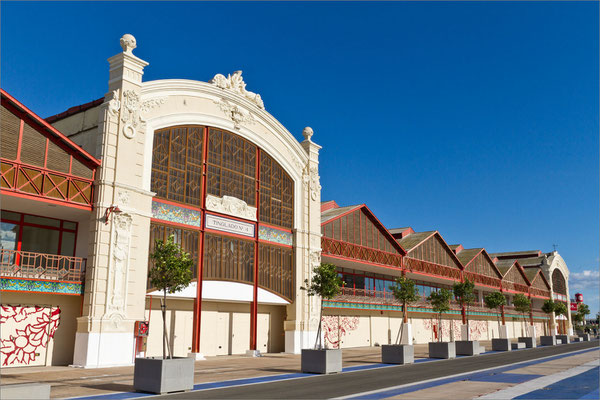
(74, 382)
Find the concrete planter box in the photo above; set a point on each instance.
(25, 391)
(397, 354)
(529, 342)
(576, 339)
(468, 348)
(564, 338)
(548, 340)
(585, 337)
(155, 375)
(517, 346)
(501, 345)
(442, 349)
(326, 361)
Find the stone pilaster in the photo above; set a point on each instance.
(118, 251)
(303, 315)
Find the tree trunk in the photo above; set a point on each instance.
(318, 338)
(440, 325)
(404, 321)
(164, 314)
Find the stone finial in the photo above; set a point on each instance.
(128, 43)
(307, 133)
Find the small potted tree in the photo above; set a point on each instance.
(496, 301)
(326, 284)
(402, 352)
(523, 305)
(171, 273)
(561, 309)
(583, 310)
(440, 302)
(464, 292)
(548, 308)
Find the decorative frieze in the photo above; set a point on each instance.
(275, 235)
(40, 286)
(179, 215)
(231, 206)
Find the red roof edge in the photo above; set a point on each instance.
(50, 129)
(74, 110)
(328, 205)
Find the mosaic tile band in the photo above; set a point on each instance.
(27, 285)
(391, 307)
(275, 235)
(179, 215)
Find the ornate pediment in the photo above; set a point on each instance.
(236, 84)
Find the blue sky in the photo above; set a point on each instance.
(478, 119)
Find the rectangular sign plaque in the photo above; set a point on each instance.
(229, 225)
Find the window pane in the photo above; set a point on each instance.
(40, 240)
(67, 246)
(8, 235)
(69, 225)
(34, 219)
(359, 282)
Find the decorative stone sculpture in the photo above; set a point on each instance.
(307, 133)
(236, 83)
(128, 43)
(231, 206)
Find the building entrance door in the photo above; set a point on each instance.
(240, 333)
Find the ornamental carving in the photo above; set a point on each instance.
(237, 115)
(119, 266)
(130, 113)
(311, 180)
(114, 105)
(315, 259)
(236, 84)
(231, 206)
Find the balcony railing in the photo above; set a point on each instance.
(415, 265)
(27, 264)
(357, 252)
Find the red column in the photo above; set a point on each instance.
(198, 299)
(254, 304)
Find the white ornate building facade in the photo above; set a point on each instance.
(206, 163)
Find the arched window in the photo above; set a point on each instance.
(558, 282)
(234, 167)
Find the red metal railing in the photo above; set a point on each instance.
(539, 292)
(26, 264)
(483, 279)
(414, 265)
(517, 287)
(43, 182)
(350, 250)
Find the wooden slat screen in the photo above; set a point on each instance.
(358, 228)
(58, 159)
(33, 147)
(227, 258)
(482, 265)
(10, 124)
(276, 193)
(558, 282)
(276, 270)
(514, 275)
(433, 250)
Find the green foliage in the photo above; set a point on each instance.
(494, 300)
(549, 306)
(560, 309)
(522, 303)
(464, 292)
(325, 282)
(172, 267)
(583, 310)
(440, 300)
(405, 290)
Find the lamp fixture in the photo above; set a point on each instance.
(112, 209)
